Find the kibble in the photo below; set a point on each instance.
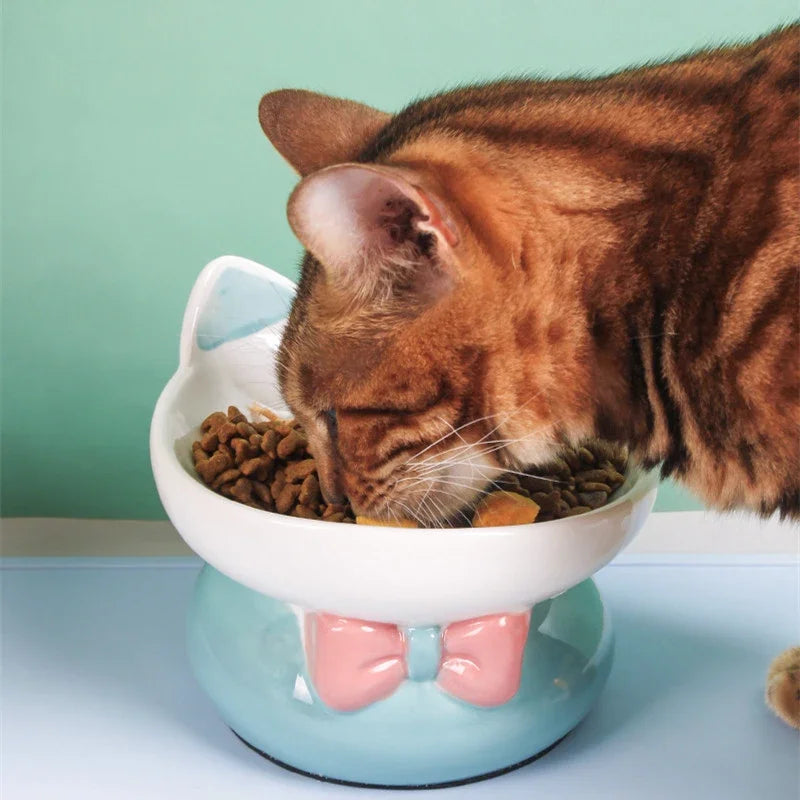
(290, 444)
(504, 508)
(266, 464)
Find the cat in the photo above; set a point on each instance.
(502, 270)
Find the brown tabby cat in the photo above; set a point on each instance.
(498, 271)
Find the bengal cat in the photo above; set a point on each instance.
(497, 271)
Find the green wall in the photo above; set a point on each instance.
(132, 155)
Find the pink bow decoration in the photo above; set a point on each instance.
(353, 663)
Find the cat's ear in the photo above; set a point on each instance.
(364, 221)
(312, 131)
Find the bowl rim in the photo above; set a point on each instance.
(163, 456)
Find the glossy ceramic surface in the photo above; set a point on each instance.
(247, 652)
(394, 575)
(376, 655)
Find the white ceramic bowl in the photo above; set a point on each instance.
(230, 334)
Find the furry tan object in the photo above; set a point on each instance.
(783, 686)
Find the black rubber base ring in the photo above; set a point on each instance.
(410, 786)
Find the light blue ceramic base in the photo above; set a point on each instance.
(246, 652)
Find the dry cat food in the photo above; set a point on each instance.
(266, 464)
(263, 464)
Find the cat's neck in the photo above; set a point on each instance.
(614, 257)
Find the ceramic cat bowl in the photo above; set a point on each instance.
(372, 655)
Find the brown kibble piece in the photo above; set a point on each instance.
(227, 450)
(547, 501)
(210, 441)
(226, 432)
(255, 440)
(252, 465)
(336, 517)
(333, 508)
(269, 442)
(278, 482)
(245, 429)
(537, 484)
(235, 416)
(573, 512)
(571, 457)
(290, 443)
(213, 421)
(592, 499)
(309, 491)
(586, 456)
(594, 486)
(567, 495)
(287, 498)
(263, 493)
(284, 427)
(504, 508)
(243, 450)
(300, 470)
(263, 473)
(305, 512)
(212, 467)
(560, 469)
(198, 454)
(228, 476)
(592, 475)
(242, 490)
(613, 478)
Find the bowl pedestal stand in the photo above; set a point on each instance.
(249, 652)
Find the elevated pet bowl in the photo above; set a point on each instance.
(372, 655)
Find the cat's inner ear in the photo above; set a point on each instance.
(312, 131)
(365, 222)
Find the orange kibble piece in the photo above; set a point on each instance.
(387, 523)
(504, 508)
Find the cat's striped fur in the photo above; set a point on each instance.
(615, 257)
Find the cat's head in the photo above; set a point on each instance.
(419, 356)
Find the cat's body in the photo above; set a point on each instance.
(500, 270)
(614, 257)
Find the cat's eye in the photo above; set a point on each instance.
(330, 420)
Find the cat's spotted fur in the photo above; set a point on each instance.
(533, 262)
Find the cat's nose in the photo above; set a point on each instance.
(330, 484)
(328, 473)
(332, 496)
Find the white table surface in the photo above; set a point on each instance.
(98, 700)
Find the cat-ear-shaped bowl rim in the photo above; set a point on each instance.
(203, 289)
(400, 575)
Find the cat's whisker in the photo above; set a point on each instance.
(443, 515)
(408, 512)
(499, 445)
(427, 513)
(450, 433)
(458, 511)
(446, 479)
(505, 417)
(431, 465)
